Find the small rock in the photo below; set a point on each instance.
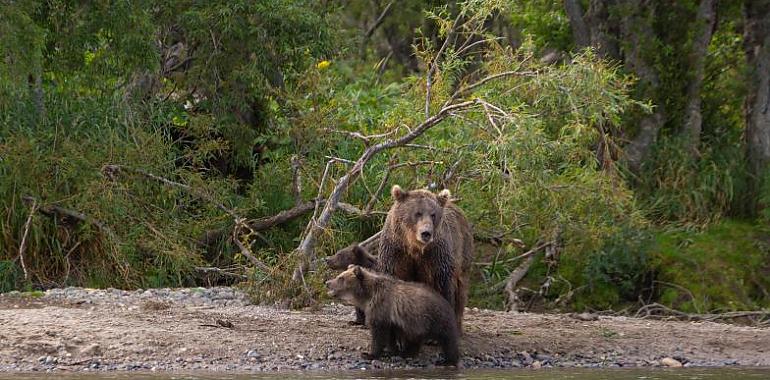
(670, 362)
(585, 316)
(536, 364)
(91, 350)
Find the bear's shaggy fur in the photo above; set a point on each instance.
(398, 312)
(353, 254)
(427, 239)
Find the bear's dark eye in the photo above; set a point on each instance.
(433, 216)
(419, 214)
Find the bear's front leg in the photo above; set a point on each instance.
(381, 338)
(360, 318)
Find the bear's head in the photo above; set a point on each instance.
(350, 286)
(419, 212)
(352, 254)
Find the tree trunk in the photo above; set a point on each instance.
(580, 31)
(638, 35)
(757, 45)
(603, 32)
(705, 25)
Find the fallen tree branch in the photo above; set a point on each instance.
(519, 273)
(221, 272)
(659, 311)
(52, 210)
(516, 275)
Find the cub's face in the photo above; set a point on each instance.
(347, 285)
(420, 212)
(353, 254)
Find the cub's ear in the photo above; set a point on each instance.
(358, 272)
(443, 197)
(350, 266)
(359, 251)
(398, 193)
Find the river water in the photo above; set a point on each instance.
(522, 374)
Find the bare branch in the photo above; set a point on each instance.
(378, 21)
(23, 245)
(296, 183)
(57, 210)
(464, 90)
(372, 240)
(245, 251)
(514, 278)
(357, 135)
(491, 119)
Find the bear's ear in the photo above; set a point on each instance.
(358, 251)
(443, 197)
(358, 272)
(398, 193)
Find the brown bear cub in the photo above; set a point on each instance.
(427, 239)
(356, 255)
(398, 312)
(353, 254)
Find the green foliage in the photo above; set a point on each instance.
(723, 268)
(225, 96)
(544, 21)
(691, 190)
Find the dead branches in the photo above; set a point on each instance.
(245, 251)
(519, 273)
(659, 311)
(54, 210)
(23, 245)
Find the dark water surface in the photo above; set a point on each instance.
(541, 374)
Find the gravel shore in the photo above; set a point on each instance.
(77, 329)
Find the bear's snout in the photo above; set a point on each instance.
(425, 236)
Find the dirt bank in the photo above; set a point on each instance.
(216, 329)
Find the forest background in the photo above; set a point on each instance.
(611, 154)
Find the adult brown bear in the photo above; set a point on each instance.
(427, 239)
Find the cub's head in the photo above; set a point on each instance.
(420, 212)
(350, 286)
(352, 254)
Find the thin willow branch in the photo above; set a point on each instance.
(111, 171)
(464, 90)
(358, 135)
(434, 64)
